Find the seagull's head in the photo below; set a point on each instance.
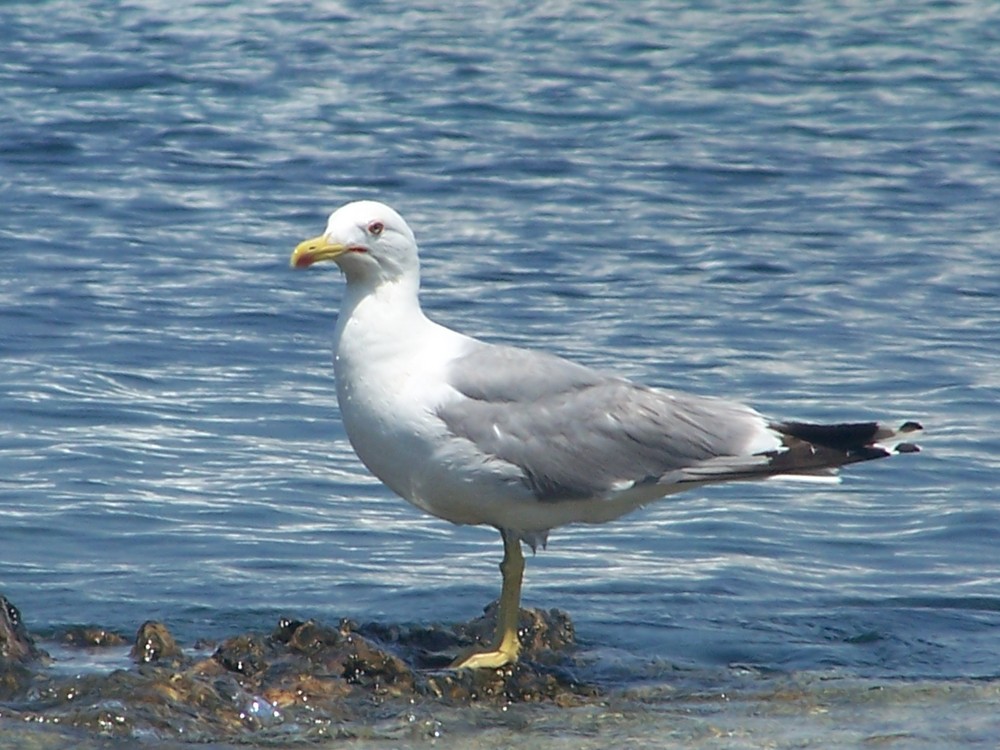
(368, 240)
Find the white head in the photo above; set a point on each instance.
(368, 240)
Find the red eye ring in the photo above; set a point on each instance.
(375, 228)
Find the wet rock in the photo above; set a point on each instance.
(543, 635)
(304, 677)
(285, 629)
(309, 638)
(91, 636)
(16, 646)
(153, 643)
(546, 637)
(15, 679)
(151, 701)
(424, 647)
(244, 654)
(347, 654)
(288, 686)
(17, 652)
(515, 683)
(375, 669)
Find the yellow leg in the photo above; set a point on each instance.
(506, 644)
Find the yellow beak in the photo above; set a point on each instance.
(315, 250)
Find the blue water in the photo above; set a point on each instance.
(789, 204)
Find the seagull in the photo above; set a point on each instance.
(523, 440)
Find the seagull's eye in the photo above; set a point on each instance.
(375, 228)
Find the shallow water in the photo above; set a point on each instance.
(791, 206)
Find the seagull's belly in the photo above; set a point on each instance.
(396, 434)
(427, 468)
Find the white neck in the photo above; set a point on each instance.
(393, 307)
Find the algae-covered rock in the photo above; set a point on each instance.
(17, 652)
(91, 636)
(153, 643)
(16, 645)
(302, 676)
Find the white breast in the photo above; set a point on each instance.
(390, 363)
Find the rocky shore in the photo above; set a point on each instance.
(302, 679)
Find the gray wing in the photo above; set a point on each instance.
(577, 433)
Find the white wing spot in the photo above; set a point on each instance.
(622, 485)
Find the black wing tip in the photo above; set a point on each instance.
(859, 441)
(907, 428)
(844, 436)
